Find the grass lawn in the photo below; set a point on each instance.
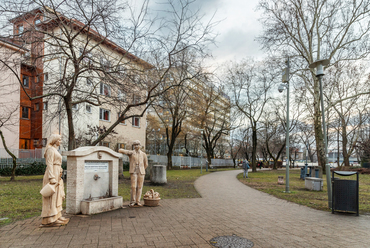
(21, 199)
(266, 181)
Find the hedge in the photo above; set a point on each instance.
(36, 168)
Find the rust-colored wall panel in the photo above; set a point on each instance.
(30, 128)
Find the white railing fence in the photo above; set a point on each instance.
(24, 157)
(190, 161)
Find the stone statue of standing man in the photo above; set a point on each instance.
(138, 164)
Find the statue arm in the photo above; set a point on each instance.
(127, 152)
(49, 160)
(145, 161)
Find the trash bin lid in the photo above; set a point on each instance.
(345, 173)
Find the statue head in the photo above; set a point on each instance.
(54, 138)
(136, 145)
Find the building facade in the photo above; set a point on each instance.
(38, 70)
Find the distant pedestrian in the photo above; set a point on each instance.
(260, 165)
(245, 168)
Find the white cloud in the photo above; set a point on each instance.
(237, 31)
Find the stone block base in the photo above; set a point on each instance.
(314, 183)
(101, 205)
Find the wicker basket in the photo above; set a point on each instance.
(151, 202)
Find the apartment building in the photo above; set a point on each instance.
(203, 105)
(44, 66)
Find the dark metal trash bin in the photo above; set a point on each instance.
(345, 192)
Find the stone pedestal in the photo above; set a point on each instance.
(101, 205)
(159, 174)
(314, 183)
(92, 178)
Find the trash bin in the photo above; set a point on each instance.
(345, 192)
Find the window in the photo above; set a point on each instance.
(26, 81)
(105, 63)
(120, 69)
(104, 89)
(88, 108)
(37, 21)
(121, 146)
(121, 95)
(24, 144)
(75, 106)
(103, 143)
(45, 105)
(44, 142)
(46, 76)
(38, 79)
(20, 29)
(104, 115)
(36, 107)
(88, 81)
(136, 121)
(122, 122)
(25, 112)
(81, 50)
(136, 99)
(87, 58)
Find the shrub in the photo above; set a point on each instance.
(126, 166)
(36, 168)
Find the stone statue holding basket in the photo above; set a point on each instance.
(53, 188)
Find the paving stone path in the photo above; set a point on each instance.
(227, 207)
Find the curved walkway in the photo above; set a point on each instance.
(227, 207)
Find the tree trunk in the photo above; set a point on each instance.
(344, 143)
(170, 145)
(169, 159)
(254, 149)
(71, 130)
(14, 158)
(319, 136)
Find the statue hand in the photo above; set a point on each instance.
(53, 181)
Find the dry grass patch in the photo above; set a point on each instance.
(266, 181)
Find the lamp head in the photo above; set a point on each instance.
(319, 65)
(281, 88)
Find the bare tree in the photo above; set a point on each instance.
(236, 145)
(74, 43)
(313, 30)
(172, 109)
(7, 119)
(344, 92)
(212, 115)
(272, 137)
(250, 83)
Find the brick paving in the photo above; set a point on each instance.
(227, 207)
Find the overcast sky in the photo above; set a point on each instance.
(237, 30)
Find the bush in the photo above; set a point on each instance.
(36, 168)
(126, 166)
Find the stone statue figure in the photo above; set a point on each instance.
(52, 206)
(138, 164)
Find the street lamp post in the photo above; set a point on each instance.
(319, 65)
(285, 80)
(201, 151)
